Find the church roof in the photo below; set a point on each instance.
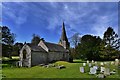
(55, 47)
(35, 48)
(52, 47)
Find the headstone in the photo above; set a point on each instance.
(92, 71)
(105, 62)
(106, 71)
(101, 63)
(95, 62)
(82, 69)
(102, 69)
(92, 61)
(101, 76)
(84, 64)
(87, 61)
(20, 63)
(89, 64)
(116, 62)
(112, 63)
(96, 67)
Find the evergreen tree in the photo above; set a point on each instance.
(8, 39)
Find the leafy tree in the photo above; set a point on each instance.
(89, 47)
(16, 49)
(8, 39)
(74, 40)
(36, 39)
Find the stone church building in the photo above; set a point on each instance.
(45, 52)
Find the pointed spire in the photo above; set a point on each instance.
(63, 36)
(64, 40)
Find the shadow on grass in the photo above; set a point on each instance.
(9, 63)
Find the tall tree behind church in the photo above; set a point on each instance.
(36, 39)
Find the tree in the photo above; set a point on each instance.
(8, 39)
(74, 40)
(89, 47)
(110, 45)
(16, 49)
(36, 39)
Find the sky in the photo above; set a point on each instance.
(45, 19)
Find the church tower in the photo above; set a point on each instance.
(64, 40)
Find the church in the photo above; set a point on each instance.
(45, 52)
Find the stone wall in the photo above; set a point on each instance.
(56, 56)
(38, 58)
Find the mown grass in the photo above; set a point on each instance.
(71, 71)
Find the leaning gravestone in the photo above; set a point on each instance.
(82, 69)
(92, 71)
(106, 71)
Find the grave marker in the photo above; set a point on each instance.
(92, 71)
(82, 69)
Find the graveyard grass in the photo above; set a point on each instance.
(71, 71)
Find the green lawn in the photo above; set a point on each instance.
(71, 71)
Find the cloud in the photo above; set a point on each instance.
(17, 16)
(103, 22)
(84, 18)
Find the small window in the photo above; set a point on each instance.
(24, 54)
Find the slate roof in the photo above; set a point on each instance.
(52, 47)
(55, 47)
(35, 48)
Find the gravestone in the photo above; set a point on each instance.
(84, 64)
(105, 62)
(95, 62)
(82, 69)
(102, 69)
(92, 61)
(101, 76)
(116, 62)
(87, 61)
(20, 63)
(96, 67)
(89, 64)
(101, 63)
(92, 71)
(112, 63)
(106, 71)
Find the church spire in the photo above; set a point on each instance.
(64, 40)
(63, 36)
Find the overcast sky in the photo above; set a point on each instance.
(45, 19)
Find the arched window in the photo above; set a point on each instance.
(24, 54)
